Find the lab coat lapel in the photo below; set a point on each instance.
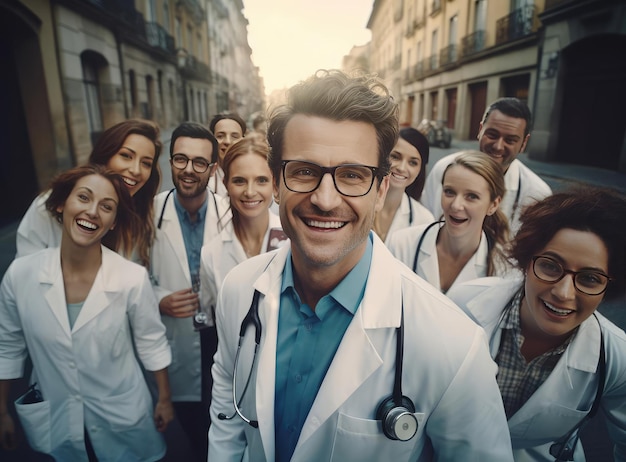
(99, 296)
(572, 373)
(51, 284)
(428, 263)
(173, 233)
(268, 284)
(357, 358)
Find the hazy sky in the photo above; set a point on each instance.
(291, 39)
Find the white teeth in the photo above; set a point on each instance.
(129, 182)
(400, 177)
(325, 224)
(557, 310)
(86, 224)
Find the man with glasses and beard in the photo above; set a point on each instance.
(330, 348)
(185, 218)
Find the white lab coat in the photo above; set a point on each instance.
(89, 375)
(447, 374)
(222, 254)
(216, 183)
(38, 228)
(169, 270)
(568, 393)
(518, 175)
(403, 245)
(410, 213)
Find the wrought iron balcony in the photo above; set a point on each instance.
(520, 23)
(432, 63)
(435, 7)
(447, 55)
(473, 43)
(158, 37)
(419, 70)
(193, 69)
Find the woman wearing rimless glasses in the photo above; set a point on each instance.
(559, 360)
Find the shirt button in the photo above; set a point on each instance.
(291, 428)
(298, 378)
(72, 365)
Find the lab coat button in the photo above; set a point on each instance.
(72, 365)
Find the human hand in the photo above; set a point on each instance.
(180, 304)
(163, 414)
(7, 432)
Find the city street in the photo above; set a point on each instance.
(557, 176)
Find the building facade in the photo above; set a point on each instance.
(448, 59)
(76, 67)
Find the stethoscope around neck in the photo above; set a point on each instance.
(395, 412)
(160, 222)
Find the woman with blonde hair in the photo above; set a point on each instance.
(130, 148)
(469, 241)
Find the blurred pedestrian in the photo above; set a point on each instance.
(503, 134)
(313, 337)
(130, 148)
(469, 242)
(406, 180)
(228, 128)
(186, 217)
(83, 315)
(559, 360)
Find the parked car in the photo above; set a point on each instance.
(436, 132)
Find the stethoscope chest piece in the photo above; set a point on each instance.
(398, 421)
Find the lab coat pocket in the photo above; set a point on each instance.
(35, 419)
(363, 439)
(548, 423)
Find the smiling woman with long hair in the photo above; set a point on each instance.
(85, 316)
(469, 242)
(130, 148)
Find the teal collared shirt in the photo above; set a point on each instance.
(193, 236)
(307, 342)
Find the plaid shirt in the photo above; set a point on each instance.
(517, 379)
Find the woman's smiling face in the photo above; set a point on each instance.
(406, 163)
(553, 310)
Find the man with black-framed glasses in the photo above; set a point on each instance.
(330, 348)
(185, 218)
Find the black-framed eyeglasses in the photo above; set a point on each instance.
(588, 282)
(199, 164)
(352, 180)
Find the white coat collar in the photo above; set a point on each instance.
(486, 308)
(429, 263)
(106, 284)
(335, 389)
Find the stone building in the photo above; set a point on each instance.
(73, 68)
(447, 59)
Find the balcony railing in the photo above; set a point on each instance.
(435, 7)
(158, 37)
(194, 69)
(473, 43)
(432, 63)
(520, 23)
(419, 70)
(447, 55)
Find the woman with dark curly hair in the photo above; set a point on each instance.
(559, 359)
(130, 148)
